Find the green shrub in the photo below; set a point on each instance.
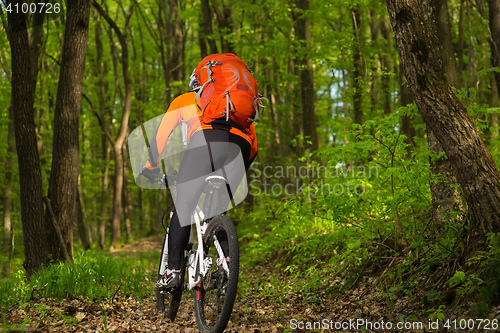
(92, 275)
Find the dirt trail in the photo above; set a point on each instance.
(131, 315)
(260, 307)
(141, 246)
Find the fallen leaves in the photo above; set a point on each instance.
(267, 301)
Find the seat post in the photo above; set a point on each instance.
(212, 201)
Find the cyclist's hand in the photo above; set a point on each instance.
(151, 174)
(172, 177)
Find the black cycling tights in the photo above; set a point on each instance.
(208, 151)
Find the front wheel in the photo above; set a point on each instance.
(174, 297)
(214, 296)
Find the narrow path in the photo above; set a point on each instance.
(130, 315)
(261, 306)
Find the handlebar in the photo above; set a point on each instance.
(159, 178)
(167, 179)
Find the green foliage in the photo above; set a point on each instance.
(360, 206)
(92, 275)
(368, 193)
(459, 277)
(13, 288)
(340, 235)
(484, 116)
(484, 280)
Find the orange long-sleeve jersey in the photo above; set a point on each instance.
(184, 109)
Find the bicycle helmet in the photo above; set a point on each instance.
(194, 85)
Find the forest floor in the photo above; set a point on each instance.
(261, 307)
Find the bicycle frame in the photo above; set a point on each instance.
(212, 266)
(196, 259)
(198, 266)
(195, 275)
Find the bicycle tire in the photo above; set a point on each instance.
(160, 298)
(214, 297)
(176, 294)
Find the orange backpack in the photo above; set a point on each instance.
(228, 90)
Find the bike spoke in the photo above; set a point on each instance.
(217, 291)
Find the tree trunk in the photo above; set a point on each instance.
(81, 219)
(7, 192)
(207, 26)
(201, 37)
(357, 73)
(127, 198)
(104, 195)
(116, 232)
(63, 182)
(461, 39)
(443, 24)
(177, 40)
(406, 98)
(494, 6)
(386, 63)
(40, 112)
(374, 82)
(292, 94)
(30, 177)
(472, 163)
(160, 208)
(306, 76)
(446, 197)
(102, 90)
(225, 27)
(122, 132)
(164, 47)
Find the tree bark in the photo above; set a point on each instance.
(306, 76)
(472, 163)
(207, 26)
(30, 177)
(446, 197)
(63, 182)
(494, 9)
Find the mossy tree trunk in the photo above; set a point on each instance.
(418, 47)
(30, 175)
(63, 182)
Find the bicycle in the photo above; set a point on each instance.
(211, 262)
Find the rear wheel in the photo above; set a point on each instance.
(215, 295)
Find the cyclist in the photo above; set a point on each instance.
(211, 147)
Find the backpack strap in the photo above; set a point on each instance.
(221, 123)
(210, 64)
(229, 106)
(257, 104)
